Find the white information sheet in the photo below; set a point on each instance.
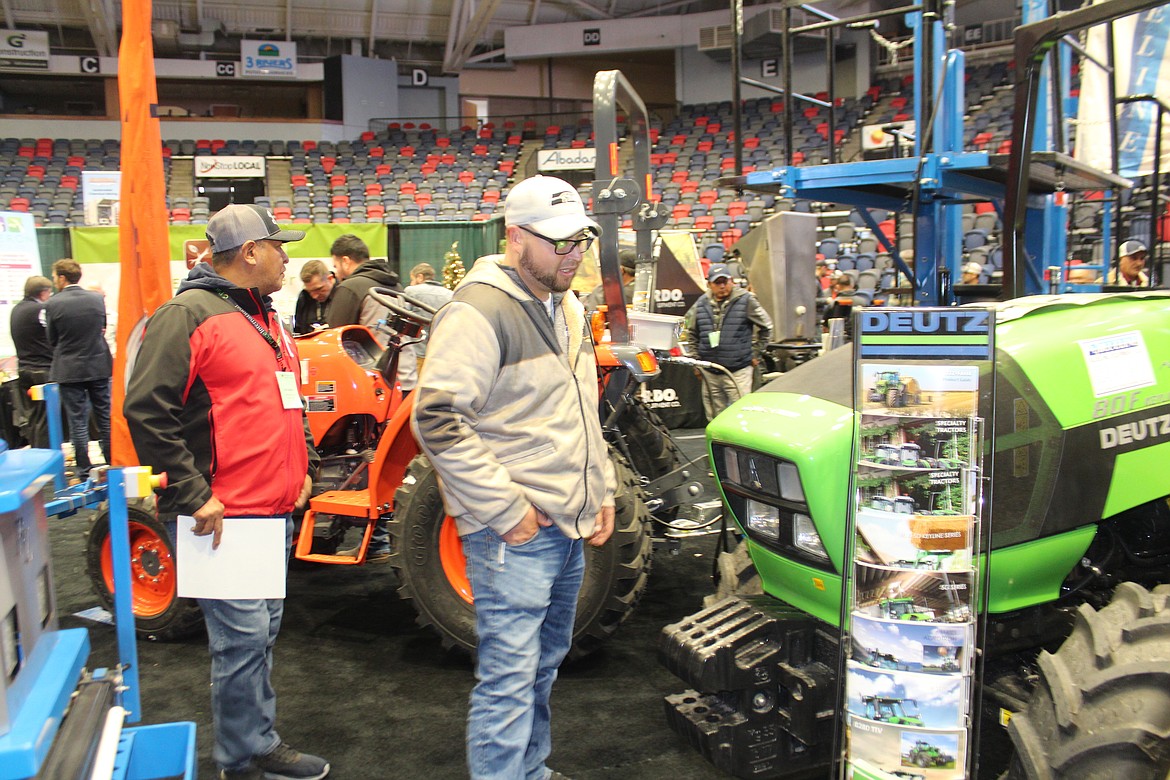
(1117, 363)
(248, 564)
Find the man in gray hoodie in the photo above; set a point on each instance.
(506, 411)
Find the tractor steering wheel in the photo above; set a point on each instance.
(422, 313)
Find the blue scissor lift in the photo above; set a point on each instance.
(939, 177)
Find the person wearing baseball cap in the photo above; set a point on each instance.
(506, 412)
(728, 327)
(217, 351)
(1130, 270)
(971, 271)
(628, 261)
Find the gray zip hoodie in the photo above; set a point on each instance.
(506, 414)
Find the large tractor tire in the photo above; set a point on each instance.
(428, 558)
(158, 612)
(1102, 706)
(652, 453)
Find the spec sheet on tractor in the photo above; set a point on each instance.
(252, 545)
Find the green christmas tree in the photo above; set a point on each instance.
(453, 270)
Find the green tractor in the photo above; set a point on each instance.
(873, 657)
(906, 455)
(905, 609)
(894, 390)
(901, 505)
(890, 709)
(924, 754)
(1079, 551)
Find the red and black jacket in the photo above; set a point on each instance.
(203, 403)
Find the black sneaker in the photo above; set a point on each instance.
(286, 763)
(382, 556)
(251, 773)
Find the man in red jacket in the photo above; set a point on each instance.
(213, 401)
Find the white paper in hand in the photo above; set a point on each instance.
(250, 562)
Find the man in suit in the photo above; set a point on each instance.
(34, 354)
(75, 321)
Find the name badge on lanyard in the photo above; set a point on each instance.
(290, 396)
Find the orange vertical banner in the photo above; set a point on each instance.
(143, 244)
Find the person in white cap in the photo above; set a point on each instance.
(217, 351)
(506, 411)
(971, 271)
(1130, 270)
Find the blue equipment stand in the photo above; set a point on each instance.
(42, 665)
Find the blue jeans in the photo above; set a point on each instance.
(240, 636)
(525, 602)
(77, 398)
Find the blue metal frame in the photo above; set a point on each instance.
(933, 185)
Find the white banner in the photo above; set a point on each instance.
(20, 258)
(269, 58)
(101, 194)
(24, 50)
(229, 167)
(566, 159)
(1142, 68)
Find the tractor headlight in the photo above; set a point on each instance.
(806, 538)
(763, 519)
(790, 488)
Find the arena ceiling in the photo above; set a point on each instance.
(450, 34)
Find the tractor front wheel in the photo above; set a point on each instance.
(427, 556)
(158, 612)
(1102, 706)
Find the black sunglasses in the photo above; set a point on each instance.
(563, 246)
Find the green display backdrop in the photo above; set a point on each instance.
(100, 244)
(419, 242)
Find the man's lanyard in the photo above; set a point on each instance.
(259, 329)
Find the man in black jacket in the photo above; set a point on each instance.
(34, 355)
(727, 326)
(357, 273)
(75, 321)
(316, 298)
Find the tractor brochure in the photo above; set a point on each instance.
(895, 753)
(910, 647)
(907, 699)
(914, 596)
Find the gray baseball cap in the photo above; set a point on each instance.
(1130, 247)
(236, 224)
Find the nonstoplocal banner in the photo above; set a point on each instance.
(20, 258)
(229, 167)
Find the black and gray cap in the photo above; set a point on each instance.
(236, 224)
